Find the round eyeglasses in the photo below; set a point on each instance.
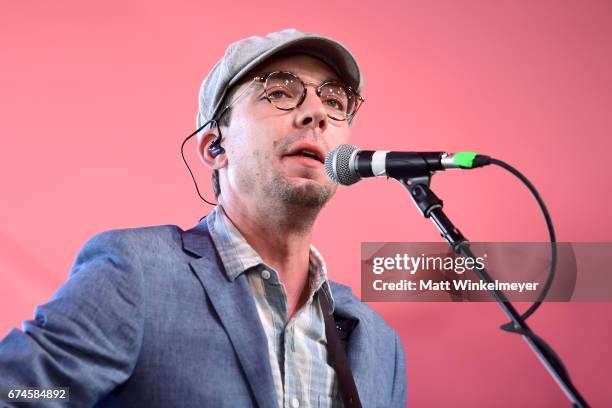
(286, 91)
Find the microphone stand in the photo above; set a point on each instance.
(430, 206)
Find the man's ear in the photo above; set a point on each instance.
(204, 142)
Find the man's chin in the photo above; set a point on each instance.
(301, 191)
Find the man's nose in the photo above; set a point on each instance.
(311, 112)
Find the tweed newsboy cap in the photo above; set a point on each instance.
(242, 56)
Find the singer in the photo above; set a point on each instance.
(237, 311)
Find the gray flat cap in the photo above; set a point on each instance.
(242, 56)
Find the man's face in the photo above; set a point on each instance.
(263, 143)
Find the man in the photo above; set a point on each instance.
(231, 313)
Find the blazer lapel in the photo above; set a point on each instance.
(233, 302)
(360, 352)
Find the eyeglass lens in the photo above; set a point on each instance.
(285, 91)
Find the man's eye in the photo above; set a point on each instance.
(335, 104)
(278, 94)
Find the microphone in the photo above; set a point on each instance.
(347, 165)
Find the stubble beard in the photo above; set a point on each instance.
(311, 197)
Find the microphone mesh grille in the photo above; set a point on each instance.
(337, 165)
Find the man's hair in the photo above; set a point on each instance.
(215, 183)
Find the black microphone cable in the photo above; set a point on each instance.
(551, 234)
(510, 327)
(482, 160)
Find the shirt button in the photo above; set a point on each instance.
(295, 403)
(265, 274)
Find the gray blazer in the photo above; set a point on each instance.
(149, 318)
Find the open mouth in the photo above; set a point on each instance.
(307, 154)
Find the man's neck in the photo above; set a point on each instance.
(282, 239)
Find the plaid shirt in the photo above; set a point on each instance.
(297, 347)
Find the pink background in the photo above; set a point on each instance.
(95, 100)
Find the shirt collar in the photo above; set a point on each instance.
(238, 256)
